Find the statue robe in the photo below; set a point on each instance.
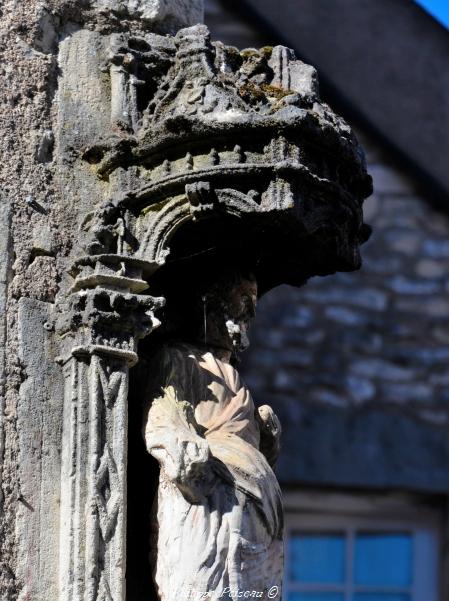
(218, 517)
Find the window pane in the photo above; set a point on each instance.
(381, 597)
(383, 559)
(317, 558)
(316, 597)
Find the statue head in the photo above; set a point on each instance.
(211, 300)
(229, 305)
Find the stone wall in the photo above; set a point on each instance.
(50, 71)
(27, 77)
(356, 364)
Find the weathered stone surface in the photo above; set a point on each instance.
(367, 298)
(344, 315)
(429, 268)
(438, 249)
(49, 65)
(409, 286)
(380, 367)
(129, 151)
(165, 15)
(5, 269)
(39, 427)
(434, 307)
(407, 394)
(27, 85)
(361, 390)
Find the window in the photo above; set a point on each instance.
(361, 556)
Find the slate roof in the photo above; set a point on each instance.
(383, 65)
(356, 365)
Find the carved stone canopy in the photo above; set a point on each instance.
(214, 159)
(231, 151)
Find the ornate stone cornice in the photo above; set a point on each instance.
(204, 130)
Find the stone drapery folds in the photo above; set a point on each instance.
(218, 517)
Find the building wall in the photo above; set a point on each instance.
(356, 364)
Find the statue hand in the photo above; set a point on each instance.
(196, 456)
(270, 433)
(195, 476)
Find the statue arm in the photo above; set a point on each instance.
(172, 438)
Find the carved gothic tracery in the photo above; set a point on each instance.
(211, 119)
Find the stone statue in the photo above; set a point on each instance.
(218, 513)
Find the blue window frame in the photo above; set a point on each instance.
(371, 557)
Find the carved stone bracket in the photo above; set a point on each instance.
(202, 199)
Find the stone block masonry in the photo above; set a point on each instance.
(366, 354)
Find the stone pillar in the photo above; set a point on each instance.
(131, 147)
(107, 317)
(56, 102)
